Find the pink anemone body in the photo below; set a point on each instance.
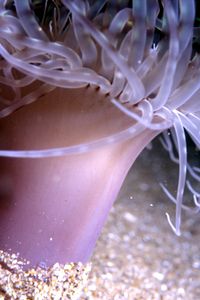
(82, 94)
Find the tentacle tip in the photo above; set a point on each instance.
(178, 232)
(176, 229)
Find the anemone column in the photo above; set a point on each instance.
(52, 209)
(84, 87)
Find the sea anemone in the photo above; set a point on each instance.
(85, 86)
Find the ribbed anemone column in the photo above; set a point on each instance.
(52, 209)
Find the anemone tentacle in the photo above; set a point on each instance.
(28, 20)
(191, 188)
(130, 74)
(183, 206)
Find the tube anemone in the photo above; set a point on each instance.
(85, 86)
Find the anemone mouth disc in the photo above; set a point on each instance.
(71, 120)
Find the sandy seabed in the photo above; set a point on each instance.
(138, 257)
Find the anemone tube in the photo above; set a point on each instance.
(85, 87)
